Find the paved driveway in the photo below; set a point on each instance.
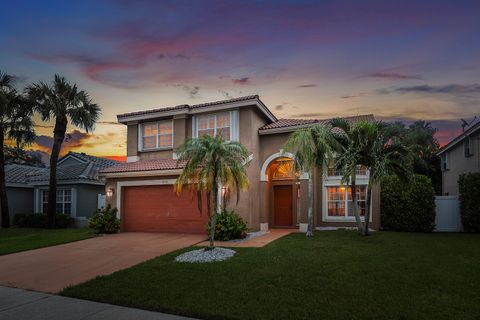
(52, 269)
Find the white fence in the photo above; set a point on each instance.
(448, 214)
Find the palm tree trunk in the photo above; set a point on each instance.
(310, 206)
(358, 220)
(3, 187)
(367, 209)
(213, 218)
(58, 137)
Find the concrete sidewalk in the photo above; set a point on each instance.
(16, 304)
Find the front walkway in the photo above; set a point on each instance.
(53, 268)
(16, 304)
(256, 242)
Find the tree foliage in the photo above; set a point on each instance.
(64, 103)
(211, 163)
(408, 207)
(16, 124)
(312, 146)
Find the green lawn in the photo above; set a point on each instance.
(21, 239)
(335, 275)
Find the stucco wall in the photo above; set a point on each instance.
(87, 197)
(459, 164)
(20, 200)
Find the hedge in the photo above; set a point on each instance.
(407, 207)
(39, 220)
(469, 187)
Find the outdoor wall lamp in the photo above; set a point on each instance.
(110, 192)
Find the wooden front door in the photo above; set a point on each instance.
(282, 206)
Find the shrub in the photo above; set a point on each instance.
(229, 226)
(39, 220)
(407, 207)
(105, 220)
(469, 187)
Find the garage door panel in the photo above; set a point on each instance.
(159, 209)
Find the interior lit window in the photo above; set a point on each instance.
(339, 201)
(214, 124)
(157, 135)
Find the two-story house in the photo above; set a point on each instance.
(461, 155)
(142, 188)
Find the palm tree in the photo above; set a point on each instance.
(64, 103)
(347, 159)
(15, 124)
(381, 152)
(312, 146)
(212, 163)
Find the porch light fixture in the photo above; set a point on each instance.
(110, 192)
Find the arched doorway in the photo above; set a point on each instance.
(282, 189)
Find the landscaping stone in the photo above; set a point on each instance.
(206, 255)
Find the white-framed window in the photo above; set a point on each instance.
(339, 201)
(156, 135)
(215, 124)
(335, 172)
(63, 204)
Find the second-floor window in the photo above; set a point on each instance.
(214, 124)
(157, 135)
(335, 172)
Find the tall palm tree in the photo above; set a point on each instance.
(312, 146)
(212, 163)
(15, 124)
(381, 152)
(347, 159)
(62, 102)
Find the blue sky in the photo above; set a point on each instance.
(402, 60)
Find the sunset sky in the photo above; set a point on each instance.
(400, 60)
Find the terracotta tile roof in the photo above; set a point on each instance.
(292, 123)
(148, 165)
(186, 106)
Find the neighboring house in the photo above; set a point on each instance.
(20, 193)
(78, 186)
(142, 188)
(461, 155)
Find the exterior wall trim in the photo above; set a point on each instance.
(121, 184)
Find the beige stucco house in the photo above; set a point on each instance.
(142, 188)
(461, 155)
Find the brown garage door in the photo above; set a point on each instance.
(159, 209)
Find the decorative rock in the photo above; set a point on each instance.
(202, 255)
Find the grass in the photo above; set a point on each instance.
(335, 275)
(21, 239)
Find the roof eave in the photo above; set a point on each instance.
(229, 105)
(144, 173)
(284, 129)
(459, 139)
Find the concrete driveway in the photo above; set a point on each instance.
(53, 268)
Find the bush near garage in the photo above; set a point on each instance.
(229, 226)
(469, 187)
(408, 207)
(105, 221)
